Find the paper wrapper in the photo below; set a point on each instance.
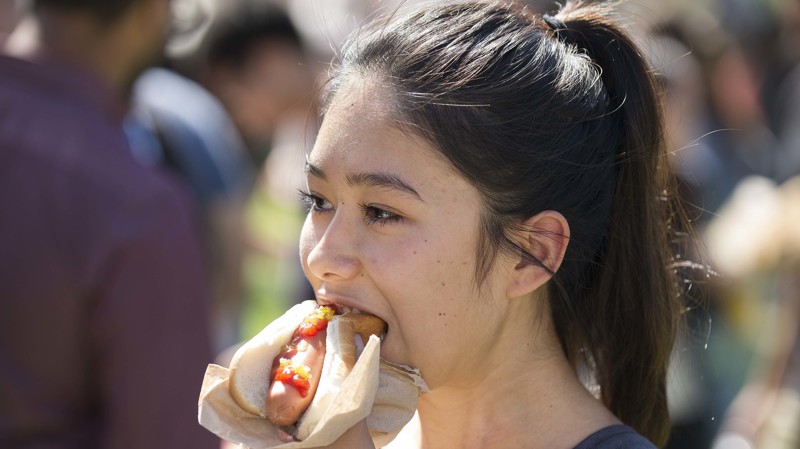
(395, 401)
(384, 393)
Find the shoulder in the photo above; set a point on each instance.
(164, 92)
(73, 161)
(615, 437)
(194, 129)
(70, 143)
(60, 130)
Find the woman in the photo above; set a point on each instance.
(490, 184)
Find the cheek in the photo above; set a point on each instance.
(308, 240)
(433, 282)
(443, 329)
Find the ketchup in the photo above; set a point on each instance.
(296, 375)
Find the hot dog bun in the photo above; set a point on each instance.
(383, 393)
(365, 325)
(339, 361)
(251, 365)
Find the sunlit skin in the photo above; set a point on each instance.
(393, 230)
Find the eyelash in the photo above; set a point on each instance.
(372, 215)
(314, 203)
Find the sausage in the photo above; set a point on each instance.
(296, 370)
(288, 399)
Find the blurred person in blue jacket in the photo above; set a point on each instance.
(103, 294)
(209, 115)
(179, 126)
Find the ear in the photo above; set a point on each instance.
(545, 236)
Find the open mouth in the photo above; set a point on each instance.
(342, 310)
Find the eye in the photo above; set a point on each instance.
(314, 203)
(377, 215)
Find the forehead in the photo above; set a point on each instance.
(359, 135)
(361, 94)
(360, 128)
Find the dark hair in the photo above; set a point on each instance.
(104, 9)
(234, 35)
(552, 114)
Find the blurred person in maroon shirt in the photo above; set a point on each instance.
(103, 296)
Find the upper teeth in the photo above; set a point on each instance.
(352, 310)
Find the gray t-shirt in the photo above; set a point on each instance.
(615, 437)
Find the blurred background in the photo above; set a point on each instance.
(229, 112)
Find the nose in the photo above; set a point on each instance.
(334, 256)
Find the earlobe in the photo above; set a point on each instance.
(544, 236)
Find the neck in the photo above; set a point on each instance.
(547, 408)
(78, 40)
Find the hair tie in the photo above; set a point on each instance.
(555, 24)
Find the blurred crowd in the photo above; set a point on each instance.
(150, 153)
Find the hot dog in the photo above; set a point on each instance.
(384, 393)
(296, 370)
(300, 366)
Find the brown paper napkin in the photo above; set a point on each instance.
(384, 393)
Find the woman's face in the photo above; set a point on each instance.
(392, 230)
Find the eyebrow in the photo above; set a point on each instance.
(384, 180)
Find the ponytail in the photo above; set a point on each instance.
(626, 321)
(556, 114)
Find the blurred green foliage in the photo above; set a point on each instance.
(272, 271)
